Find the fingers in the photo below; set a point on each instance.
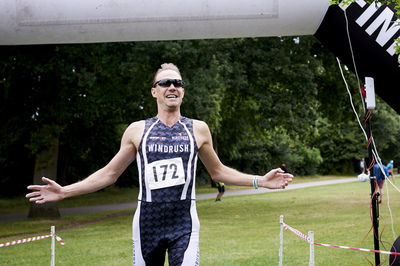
(277, 179)
(285, 177)
(47, 181)
(282, 185)
(39, 187)
(289, 178)
(33, 194)
(35, 197)
(285, 182)
(37, 200)
(34, 187)
(279, 170)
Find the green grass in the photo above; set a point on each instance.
(239, 230)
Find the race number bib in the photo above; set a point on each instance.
(165, 173)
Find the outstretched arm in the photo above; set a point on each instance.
(98, 180)
(274, 179)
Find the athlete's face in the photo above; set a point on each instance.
(168, 96)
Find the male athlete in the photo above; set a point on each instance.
(166, 148)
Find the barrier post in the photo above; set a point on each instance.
(281, 242)
(311, 241)
(53, 245)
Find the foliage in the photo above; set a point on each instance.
(267, 101)
(340, 145)
(385, 129)
(395, 3)
(269, 93)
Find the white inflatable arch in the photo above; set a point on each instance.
(372, 28)
(77, 21)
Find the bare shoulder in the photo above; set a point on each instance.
(201, 132)
(137, 125)
(200, 126)
(134, 132)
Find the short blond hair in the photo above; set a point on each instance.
(166, 66)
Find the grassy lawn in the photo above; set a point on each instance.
(239, 230)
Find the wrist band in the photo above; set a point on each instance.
(255, 185)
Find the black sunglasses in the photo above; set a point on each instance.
(167, 82)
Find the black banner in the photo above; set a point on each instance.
(371, 30)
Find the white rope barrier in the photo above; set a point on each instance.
(26, 240)
(23, 240)
(30, 239)
(310, 240)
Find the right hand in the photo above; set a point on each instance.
(45, 193)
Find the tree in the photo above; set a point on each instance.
(270, 97)
(386, 131)
(15, 125)
(267, 101)
(61, 101)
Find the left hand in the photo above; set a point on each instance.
(275, 179)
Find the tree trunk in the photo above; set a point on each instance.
(47, 210)
(46, 165)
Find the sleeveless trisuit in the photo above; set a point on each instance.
(166, 216)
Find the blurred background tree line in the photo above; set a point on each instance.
(267, 101)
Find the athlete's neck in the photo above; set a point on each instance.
(169, 119)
